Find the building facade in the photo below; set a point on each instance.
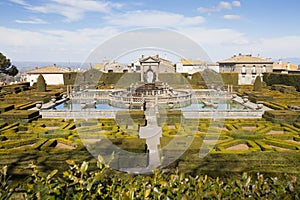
(248, 67)
(193, 66)
(53, 75)
(284, 67)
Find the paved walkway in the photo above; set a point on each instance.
(49, 105)
(152, 133)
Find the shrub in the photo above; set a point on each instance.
(50, 143)
(41, 84)
(257, 84)
(6, 188)
(282, 144)
(285, 79)
(230, 78)
(6, 107)
(17, 143)
(20, 115)
(263, 145)
(281, 116)
(273, 105)
(79, 183)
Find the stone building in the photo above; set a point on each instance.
(53, 75)
(115, 67)
(247, 67)
(149, 69)
(284, 67)
(193, 66)
(165, 66)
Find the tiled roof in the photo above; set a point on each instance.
(99, 66)
(155, 58)
(284, 66)
(188, 62)
(49, 70)
(246, 59)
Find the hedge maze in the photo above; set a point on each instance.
(215, 147)
(252, 145)
(23, 143)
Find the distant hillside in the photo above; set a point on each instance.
(26, 66)
(292, 60)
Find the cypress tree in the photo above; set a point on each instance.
(41, 84)
(257, 84)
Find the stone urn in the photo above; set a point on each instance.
(171, 105)
(260, 105)
(64, 96)
(38, 104)
(234, 96)
(53, 99)
(245, 99)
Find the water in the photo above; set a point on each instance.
(77, 106)
(222, 105)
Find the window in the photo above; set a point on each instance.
(244, 69)
(264, 69)
(253, 71)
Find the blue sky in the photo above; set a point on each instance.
(69, 30)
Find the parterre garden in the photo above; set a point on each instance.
(48, 150)
(234, 145)
(270, 145)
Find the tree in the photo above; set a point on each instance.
(257, 84)
(6, 67)
(41, 84)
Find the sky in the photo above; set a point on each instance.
(70, 30)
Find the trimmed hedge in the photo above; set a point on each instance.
(20, 114)
(283, 88)
(26, 106)
(230, 78)
(274, 105)
(281, 116)
(282, 144)
(263, 145)
(50, 143)
(257, 96)
(17, 143)
(55, 134)
(10, 126)
(284, 79)
(6, 107)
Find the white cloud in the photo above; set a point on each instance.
(52, 45)
(21, 2)
(153, 19)
(223, 43)
(31, 21)
(231, 17)
(223, 5)
(72, 10)
(236, 3)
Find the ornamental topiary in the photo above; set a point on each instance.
(257, 84)
(41, 84)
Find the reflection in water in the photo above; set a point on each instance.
(221, 105)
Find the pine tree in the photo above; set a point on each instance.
(6, 67)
